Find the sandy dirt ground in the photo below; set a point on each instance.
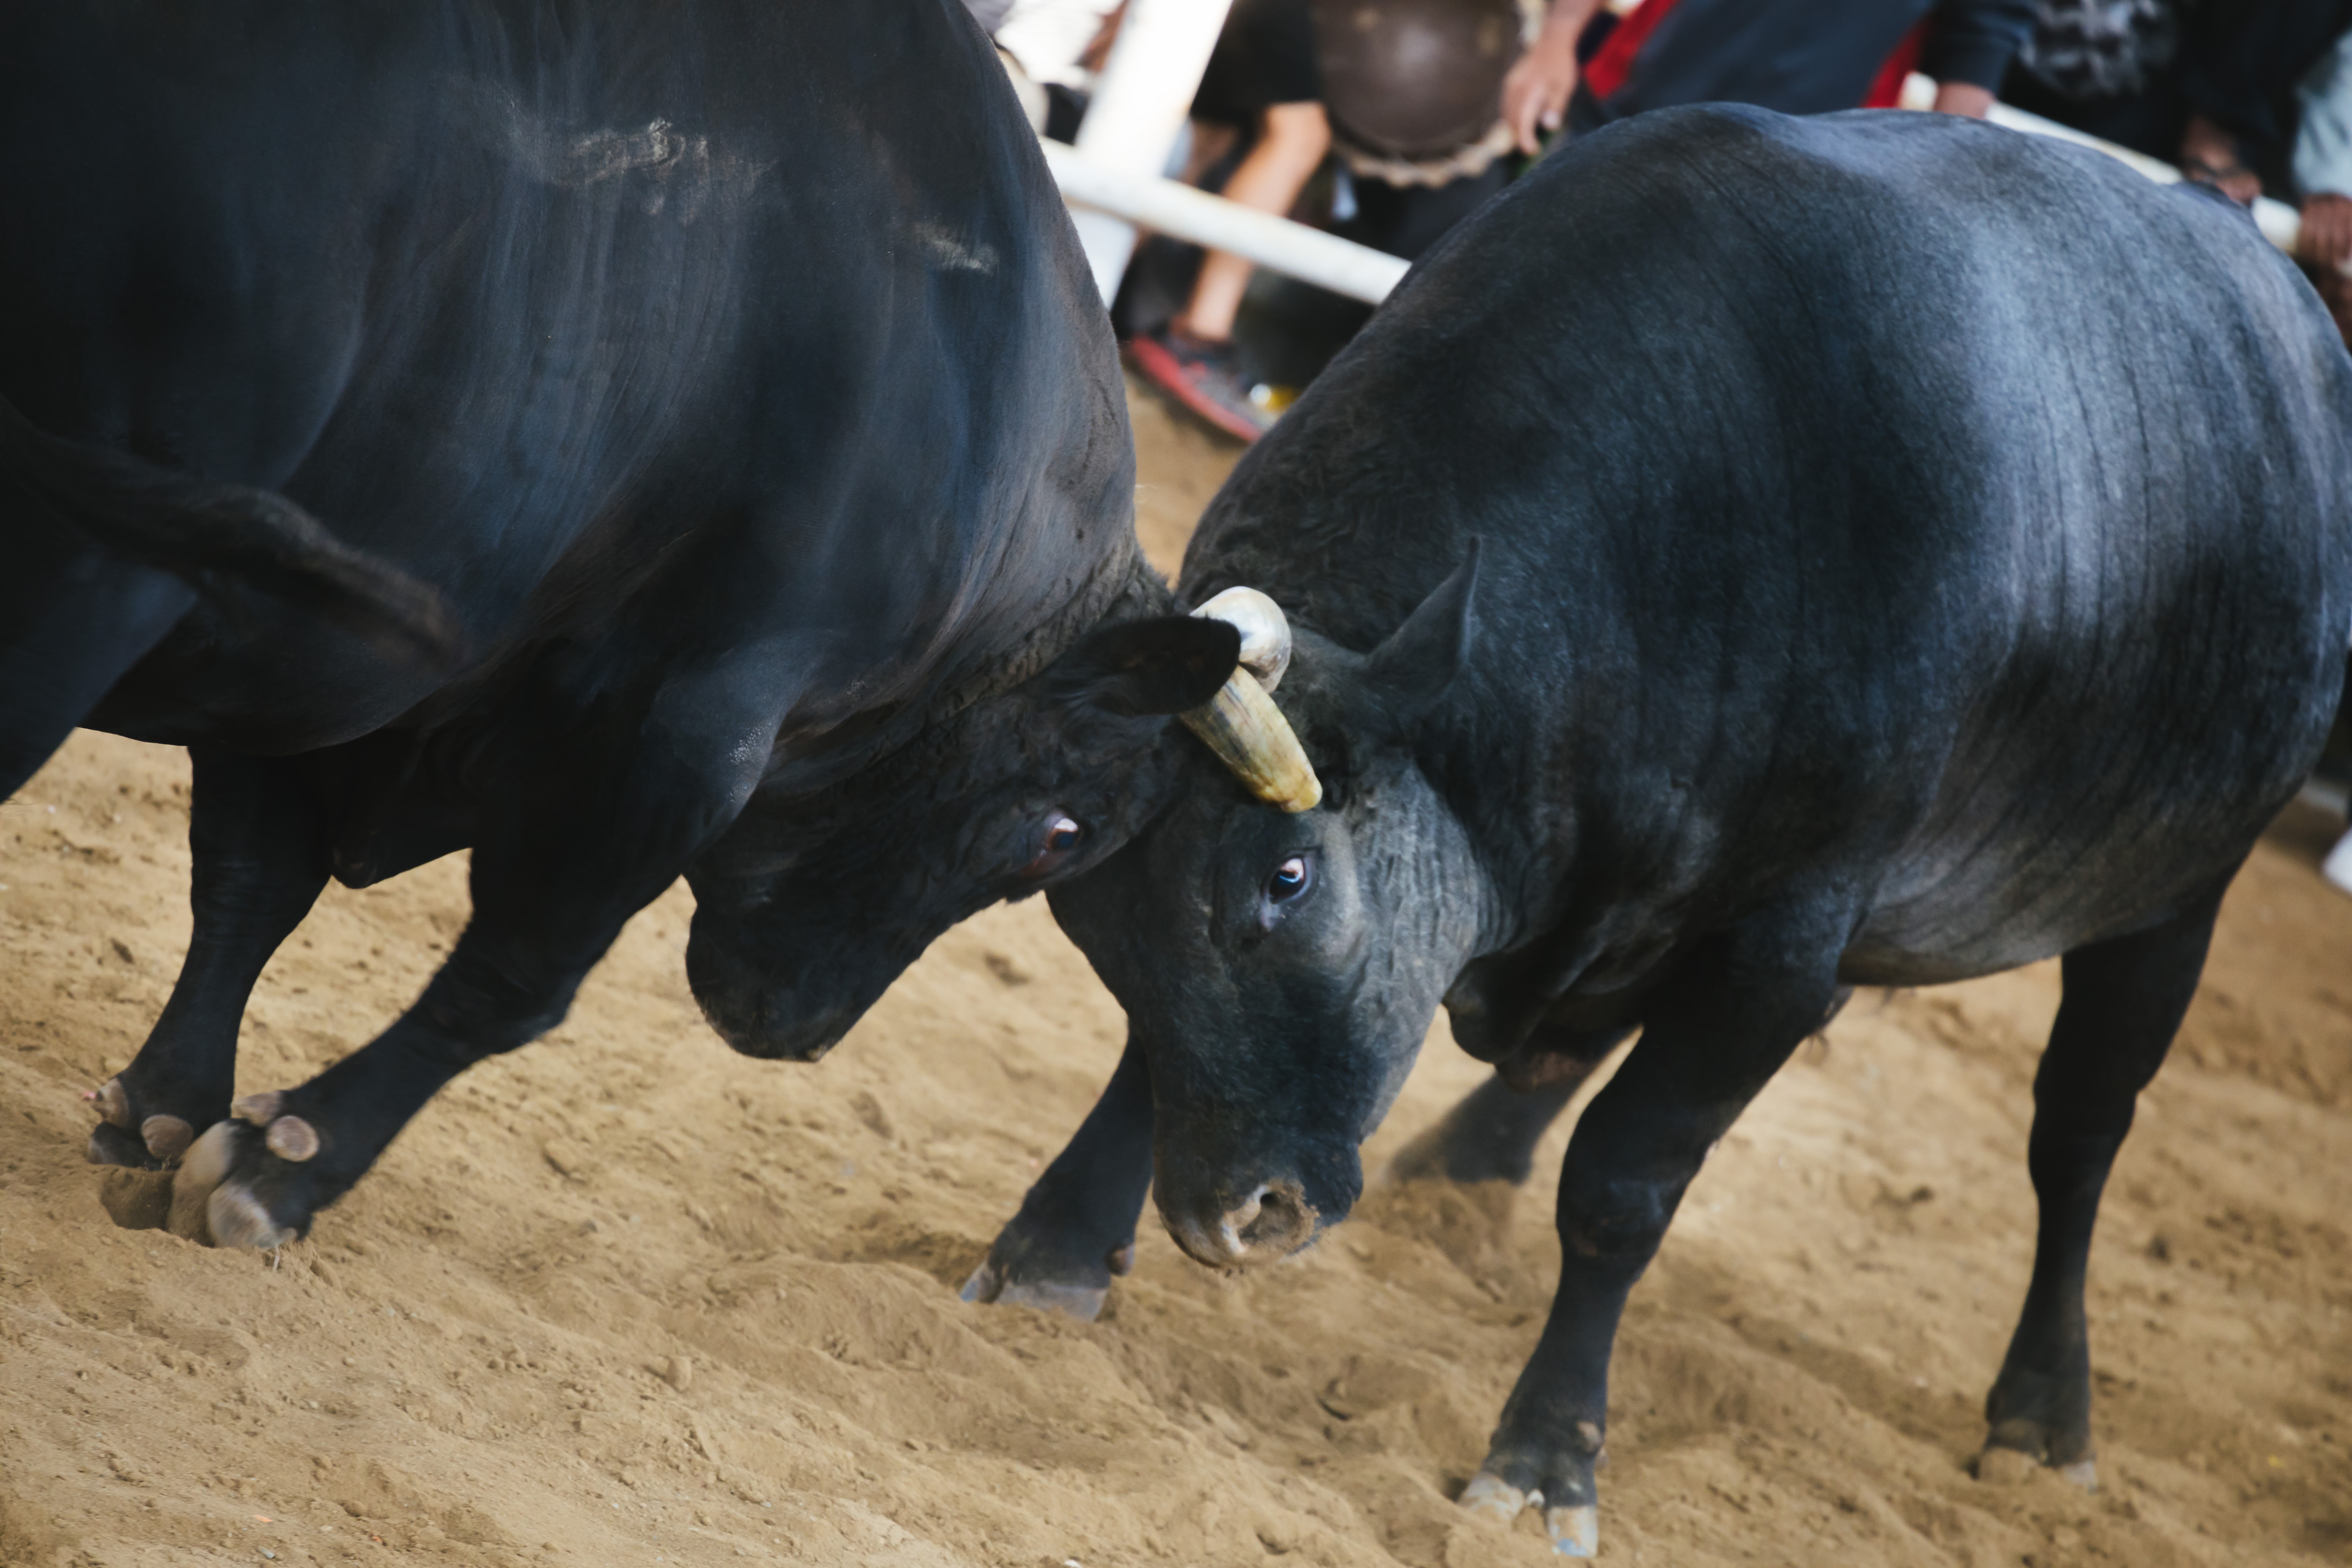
(624, 1298)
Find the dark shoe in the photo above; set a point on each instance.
(1201, 376)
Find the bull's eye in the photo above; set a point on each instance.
(1062, 839)
(1290, 879)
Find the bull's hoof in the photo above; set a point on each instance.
(1029, 1268)
(2039, 1420)
(989, 1287)
(2016, 1452)
(244, 1183)
(1553, 1476)
(135, 1131)
(1574, 1528)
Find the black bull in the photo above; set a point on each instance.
(1757, 557)
(628, 439)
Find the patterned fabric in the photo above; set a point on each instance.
(2100, 49)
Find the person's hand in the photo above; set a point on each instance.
(2328, 230)
(2210, 156)
(1965, 99)
(1537, 91)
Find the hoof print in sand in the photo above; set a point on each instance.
(136, 1200)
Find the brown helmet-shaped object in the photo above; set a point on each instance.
(1415, 78)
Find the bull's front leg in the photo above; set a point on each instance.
(1076, 1225)
(258, 841)
(576, 842)
(1712, 1037)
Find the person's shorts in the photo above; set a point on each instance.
(1265, 56)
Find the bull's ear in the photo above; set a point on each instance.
(1408, 673)
(1169, 664)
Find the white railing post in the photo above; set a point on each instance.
(1323, 259)
(1139, 104)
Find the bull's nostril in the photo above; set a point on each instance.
(1273, 1220)
(1237, 1220)
(1283, 1221)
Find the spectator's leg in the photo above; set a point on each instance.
(1293, 139)
(1191, 358)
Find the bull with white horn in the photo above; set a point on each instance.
(1816, 645)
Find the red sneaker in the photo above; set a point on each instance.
(1201, 375)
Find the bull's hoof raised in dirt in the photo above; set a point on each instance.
(1553, 1475)
(131, 1132)
(2039, 1420)
(1019, 1273)
(2009, 1464)
(245, 1182)
(1574, 1528)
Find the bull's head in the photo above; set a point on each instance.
(1279, 964)
(814, 901)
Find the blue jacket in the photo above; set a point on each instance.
(1802, 57)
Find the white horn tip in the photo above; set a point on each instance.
(1265, 631)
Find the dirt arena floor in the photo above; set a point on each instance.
(624, 1298)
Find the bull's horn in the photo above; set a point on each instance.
(1241, 723)
(1265, 631)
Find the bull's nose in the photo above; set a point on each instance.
(1273, 1221)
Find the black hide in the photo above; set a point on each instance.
(631, 439)
(1905, 550)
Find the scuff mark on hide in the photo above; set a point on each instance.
(670, 163)
(945, 250)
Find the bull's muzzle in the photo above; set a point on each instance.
(1241, 723)
(1271, 1221)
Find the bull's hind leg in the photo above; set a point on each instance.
(1076, 1225)
(256, 835)
(1492, 1133)
(2123, 1001)
(585, 828)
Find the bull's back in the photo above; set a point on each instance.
(547, 302)
(2163, 592)
(1881, 499)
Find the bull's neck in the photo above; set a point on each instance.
(1122, 586)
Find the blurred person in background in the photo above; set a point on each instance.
(1407, 93)
(2105, 68)
(2226, 90)
(1799, 57)
(2240, 74)
(2322, 169)
(2251, 97)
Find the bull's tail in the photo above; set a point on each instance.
(197, 528)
